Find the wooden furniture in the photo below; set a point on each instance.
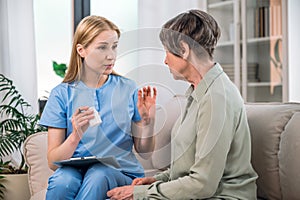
(252, 48)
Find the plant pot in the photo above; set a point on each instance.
(16, 187)
(42, 102)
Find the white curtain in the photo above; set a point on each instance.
(17, 48)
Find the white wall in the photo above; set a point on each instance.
(140, 53)
(151, 68)
(294, 50)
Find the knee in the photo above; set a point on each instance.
(100, 170)
(65, 181)
(106, 176)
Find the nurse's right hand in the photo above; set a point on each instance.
(81, 118)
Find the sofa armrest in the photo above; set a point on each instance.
(35, 152)
(289, 164)
(275, 137)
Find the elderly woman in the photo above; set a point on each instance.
(211, 140)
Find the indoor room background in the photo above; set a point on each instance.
(35, 33)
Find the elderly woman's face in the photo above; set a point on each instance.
(177, 65)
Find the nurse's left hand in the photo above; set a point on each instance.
(121, 193)
(146, 103)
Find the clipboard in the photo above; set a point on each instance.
(82, 161)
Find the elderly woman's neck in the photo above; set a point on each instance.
(198, 72)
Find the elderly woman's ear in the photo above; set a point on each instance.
(185, 50)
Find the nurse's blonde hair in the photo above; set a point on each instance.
(87, 30)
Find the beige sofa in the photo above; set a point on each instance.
(275, 130)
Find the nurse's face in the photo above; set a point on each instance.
(100, 55)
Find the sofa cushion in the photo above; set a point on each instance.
(267, 122)
(35, 151)
(166, 115)
(289, 164)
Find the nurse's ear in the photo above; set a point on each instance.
(80, 50)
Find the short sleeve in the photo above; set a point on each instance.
(54, 113)
(136, 115)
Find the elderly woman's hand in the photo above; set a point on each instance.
(121, 193)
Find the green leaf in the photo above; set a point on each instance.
(15, 125)
(59, 69)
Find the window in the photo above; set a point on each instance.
(53, 36)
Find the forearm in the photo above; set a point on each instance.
(63, 151)
(163, 176)
(144, 139)
(186, 187)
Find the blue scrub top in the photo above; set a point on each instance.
(116, 103)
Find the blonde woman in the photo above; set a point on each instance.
(126, 114)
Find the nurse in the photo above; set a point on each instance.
(90, 87)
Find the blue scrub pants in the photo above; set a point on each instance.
(90, 183)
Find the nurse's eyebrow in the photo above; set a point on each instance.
(107, 42)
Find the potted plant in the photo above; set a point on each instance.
(1, 186)
(15, 126)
